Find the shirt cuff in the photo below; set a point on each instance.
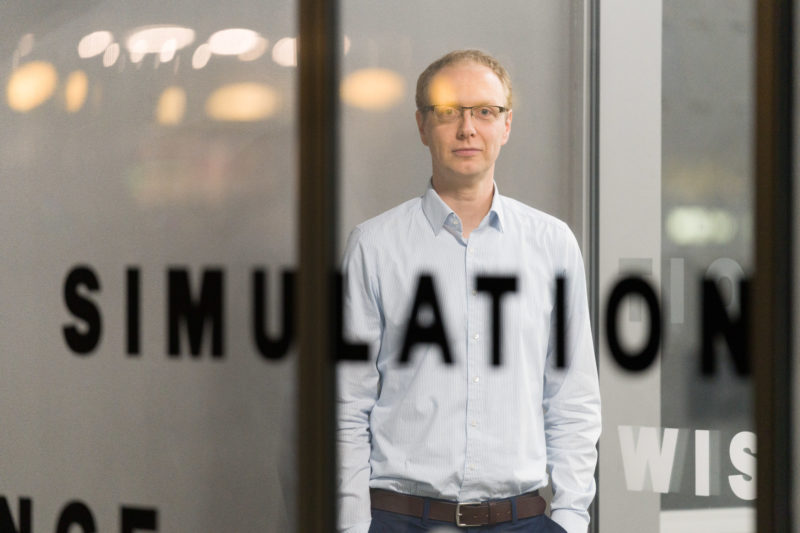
(361, 527)
(571, 521)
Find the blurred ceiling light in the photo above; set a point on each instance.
(201, 56)
(700, 226)
(25, 46)
(346, 44)
(233, 41)
(242, 102)
(111, 55)
(75, 91)
(373, 89)
(30, 85)
(94, 43)
(157, 39)
(171, 106)
(284, 52)
(258, 51)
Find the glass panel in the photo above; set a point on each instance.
(146, 183)
(686, 449)
(386, 46)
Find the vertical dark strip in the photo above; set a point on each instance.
(318, 152)
(133, 310)
(772, 287)
(594, 204)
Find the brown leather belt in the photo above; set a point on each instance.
(461, 514)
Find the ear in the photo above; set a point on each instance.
(421, 127)
(507, 127)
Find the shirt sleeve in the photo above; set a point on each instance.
(358, 384)
(572, 403)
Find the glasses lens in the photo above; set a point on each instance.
(446, 113)
(486, 112)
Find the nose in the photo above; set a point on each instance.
(466, 125)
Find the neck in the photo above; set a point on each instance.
(470, 201)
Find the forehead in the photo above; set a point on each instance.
(466, 83)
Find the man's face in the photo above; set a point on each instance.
(464, 150)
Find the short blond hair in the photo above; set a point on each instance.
(461, 56)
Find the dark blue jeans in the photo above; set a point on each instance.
(386, 522)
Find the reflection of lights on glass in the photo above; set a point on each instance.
(700, 226)
(75, 91)
(257, 51)
(138, 49)
(233, 41)
(25, 46)
(171, 106)
(374, 89)
(346, 44)
(111, 55)
(201, 56)
(31, 85)
(168, 51)
(94, 43)
(154, 39)
(284, 52)
(242, 102)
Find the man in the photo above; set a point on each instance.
(420, 439)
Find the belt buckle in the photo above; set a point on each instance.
(459, 523)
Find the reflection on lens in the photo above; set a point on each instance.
(171, 106)
(242, 102)
(374, 89)
(75, 91)
(31, 85)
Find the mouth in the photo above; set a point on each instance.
(466, 152)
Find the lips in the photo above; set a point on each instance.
(466, 151)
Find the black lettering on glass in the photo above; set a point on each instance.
(432, 333)
(269, 346)
(344, 350)
(75, 513)
(24, 514)
(134, 519)
(717, 322)
(182, 308)
(561, 313)
(636, 361)
(496, 286)
(133, 307)
(82, 343)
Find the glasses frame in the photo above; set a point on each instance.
(471, 109)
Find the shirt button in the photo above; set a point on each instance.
(474, 292)
(474, 424)
(471, 250)
(476, 379)
(476, 336)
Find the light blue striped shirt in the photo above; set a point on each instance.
(468, 431)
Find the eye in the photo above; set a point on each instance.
(486, 112)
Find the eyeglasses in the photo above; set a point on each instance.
(452, 113)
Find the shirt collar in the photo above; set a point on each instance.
(436, 211)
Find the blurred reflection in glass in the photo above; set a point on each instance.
(31, 85)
